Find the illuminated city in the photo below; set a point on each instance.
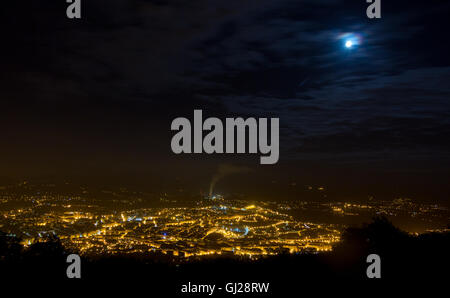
(208, 226)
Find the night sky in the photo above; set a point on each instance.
(93, 99)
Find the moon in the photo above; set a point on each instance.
(350, 40)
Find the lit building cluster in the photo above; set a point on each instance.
(202, 227)
(216, 227)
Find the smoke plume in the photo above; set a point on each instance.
(225, 170)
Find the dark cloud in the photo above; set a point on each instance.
(113, 81)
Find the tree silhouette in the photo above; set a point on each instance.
(10, 247)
